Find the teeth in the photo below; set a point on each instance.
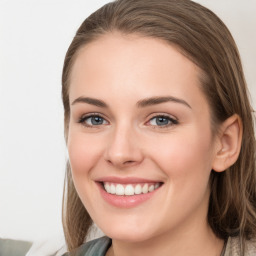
(120, 190)
(107, 187)
(112, 189)
(129, 189)
(151, 188)
(138, 189)
(145, 189)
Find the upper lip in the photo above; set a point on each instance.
(125, 180)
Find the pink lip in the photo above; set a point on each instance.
(125, 180)
(125, 201)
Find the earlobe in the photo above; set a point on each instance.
(229, 143)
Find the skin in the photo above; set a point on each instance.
(121, 71)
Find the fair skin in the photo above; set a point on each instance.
(116, 135)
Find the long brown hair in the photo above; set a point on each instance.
(202, 37)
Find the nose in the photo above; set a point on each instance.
(123, 149)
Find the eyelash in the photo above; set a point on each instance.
(83, 119)
(171, 121)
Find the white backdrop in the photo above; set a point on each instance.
(34, 37)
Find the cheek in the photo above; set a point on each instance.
(186, 162)
(185, 155)
(84, 152)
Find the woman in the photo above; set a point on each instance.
(159, 131)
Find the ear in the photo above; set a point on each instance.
(228, 144)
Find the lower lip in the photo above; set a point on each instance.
(125, 201)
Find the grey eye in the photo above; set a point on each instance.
(93, 120)
(162, 121)
(96, 120)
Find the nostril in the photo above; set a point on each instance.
(128, 162)
(121, 163)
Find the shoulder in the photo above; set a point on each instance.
(233, 247)
(96, 247)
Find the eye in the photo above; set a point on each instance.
(93, 120)
(162, 121)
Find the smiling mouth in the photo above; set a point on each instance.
(130, 189)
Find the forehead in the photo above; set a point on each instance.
(132, 64)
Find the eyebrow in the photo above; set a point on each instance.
(141, 103)
(91, 101)
(158, 100)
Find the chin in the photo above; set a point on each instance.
(128, 237)
(128, 234)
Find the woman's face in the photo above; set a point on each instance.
(140, 126)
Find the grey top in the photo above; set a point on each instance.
(99, 247)
(232, 247)
(96, 247)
